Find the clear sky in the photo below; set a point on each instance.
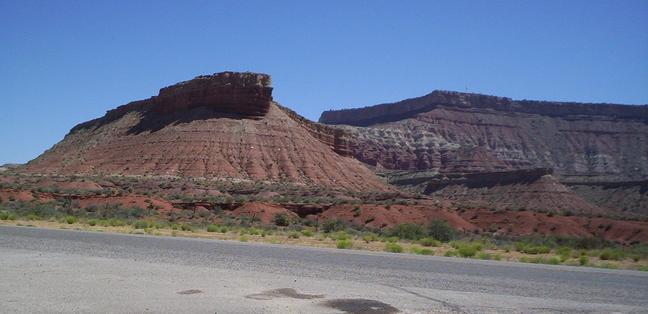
(65, 62)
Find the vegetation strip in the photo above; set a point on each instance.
(438, 239)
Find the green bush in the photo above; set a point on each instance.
(213, 228)
(531, 249)
(564, 253)
(293, 235)
(140, 224)
(332, 226)
(281, 220)
(429, 242)
(243, 238)
(70, 220)
(369, 237)
(392, 239)
(308, 233)
(442, 231)
(612, 254)
(341, 235)
(583, 260)
(553, 260)
(467, 250)
(344, 244)
(32, 217)
(408, 231)
(393, 247)
(450, 253)
(483, 255)
(116, 222)
(4, 216)
(92, 222)
(421, 251)
(186, 227)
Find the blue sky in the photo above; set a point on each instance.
(65, 62)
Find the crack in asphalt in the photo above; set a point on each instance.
(453, 307)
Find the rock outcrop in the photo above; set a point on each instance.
(239, 94)
(219, 126)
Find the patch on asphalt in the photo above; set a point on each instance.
(192, 291)
(283, 293)
(361, 306)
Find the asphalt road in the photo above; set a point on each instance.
(50, 271)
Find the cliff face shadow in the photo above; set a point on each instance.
(153, 121)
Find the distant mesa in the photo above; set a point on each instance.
(407, 108)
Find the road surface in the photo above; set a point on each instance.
(54, 271)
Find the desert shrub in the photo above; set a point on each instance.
(528, 248)
(308, 233)
(186, 227)
(393, 247)
(611, 254)
(639, 251)
(553, 260)
(140, 224)
(408, 231)
(33, 217)
(332, 226)
(243, 238)
(583, 260)
(92, 222)
(390, 239)
(467, 250)
(450, 253)
(478, 245)
(343, 244)
(369, 237)
(70, 219)
(213, 228)
(429, 242)
(483, 255)
(116, 222)
(564, 252)
(442, 231)
(281, 220)
(340, 235)
(589, 243)
(293, 235)
(421, 251)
